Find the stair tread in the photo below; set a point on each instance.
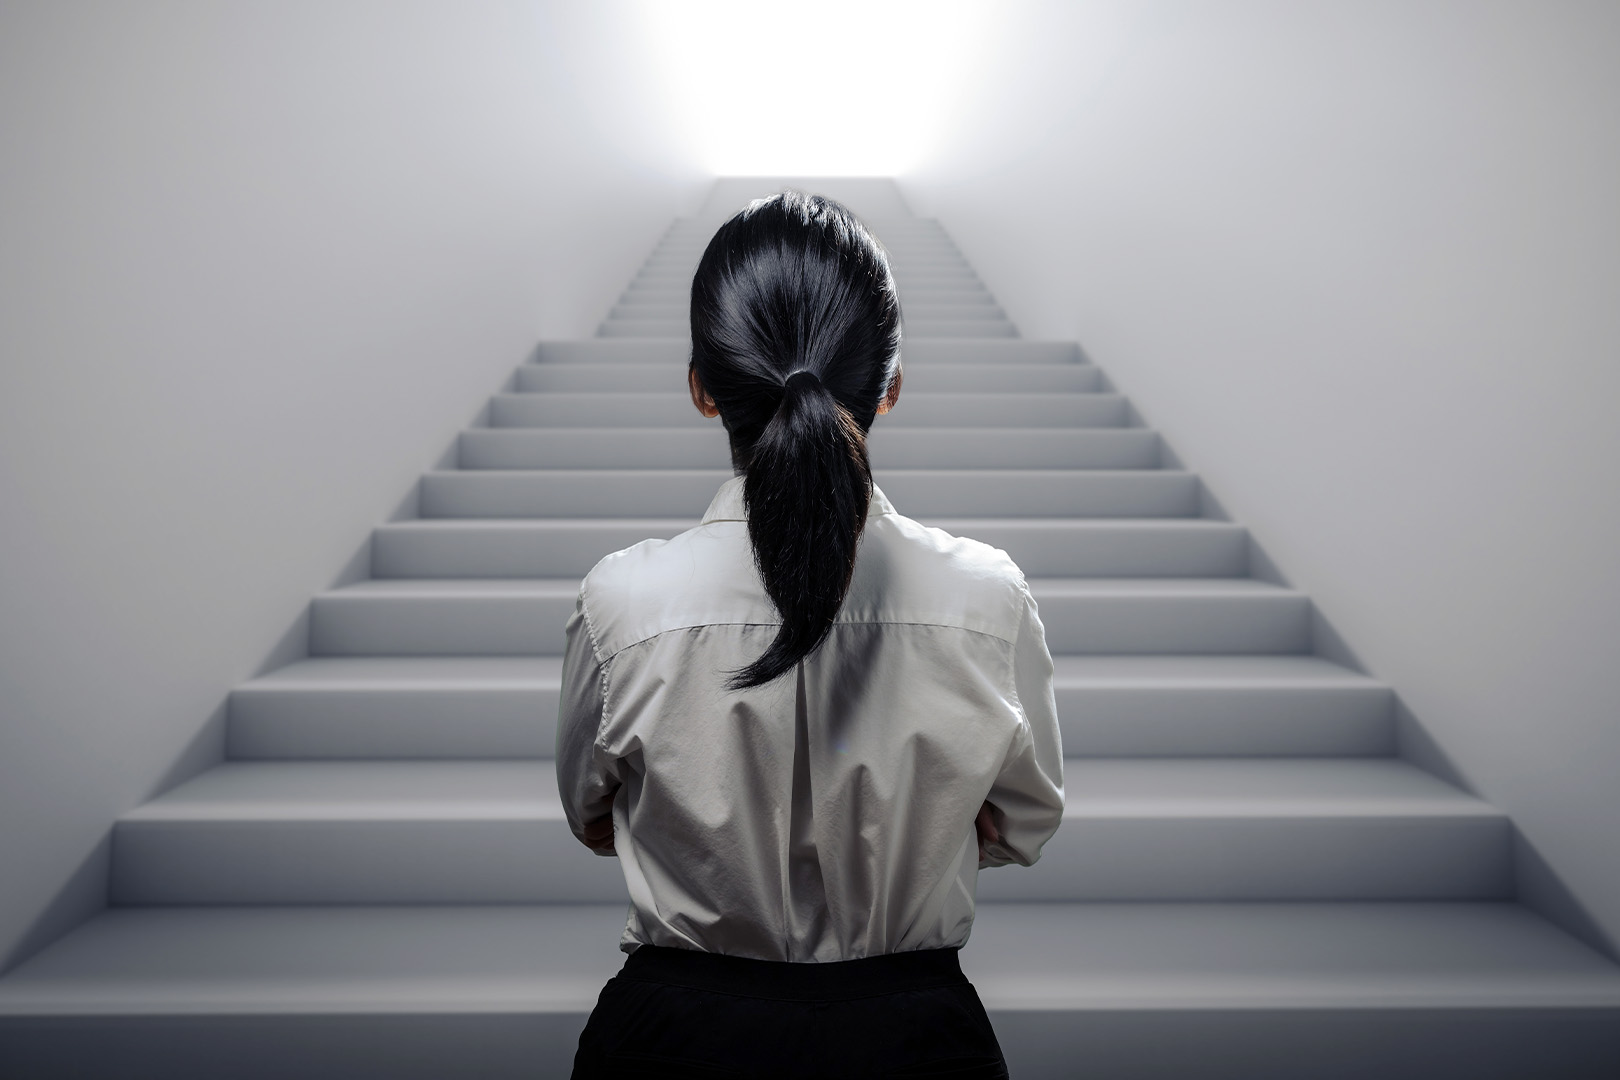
(674, 349)
(424, 672)
(360, 790)
(722, 475)
(1053, 586)
(911, 336)
(884, 432)
(411, 673)
(1188, 586)
(323, 958)
(1382, 955)
(465, 958)
(393, 790)
(1206, 671)
(460, 587)
(681, 394)
(1241, 787)
(1086, 524)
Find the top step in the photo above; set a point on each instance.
(677, 352)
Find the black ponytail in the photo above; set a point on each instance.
(796, 335)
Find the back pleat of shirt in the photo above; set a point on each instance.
(828, 814)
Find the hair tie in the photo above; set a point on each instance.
(803, 377)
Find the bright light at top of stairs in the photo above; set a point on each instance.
(839, 87)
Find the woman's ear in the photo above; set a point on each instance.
(894, 390)
(700, 397)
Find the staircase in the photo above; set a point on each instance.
(379, 882)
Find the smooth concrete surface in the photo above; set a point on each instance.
(492, 831)
(516, 616)
(1359, 261)
(1431, 991)
(455, 707)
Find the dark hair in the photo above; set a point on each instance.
(796, 335)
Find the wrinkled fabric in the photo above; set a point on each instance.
(827, 815)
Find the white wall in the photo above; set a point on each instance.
(1360, 261)
(258, 263)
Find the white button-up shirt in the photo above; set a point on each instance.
(827, 815)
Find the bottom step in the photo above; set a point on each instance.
(1111, 990)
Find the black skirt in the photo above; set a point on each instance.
(681, 1013)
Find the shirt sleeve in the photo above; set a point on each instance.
(586, 777)
(1026, 799)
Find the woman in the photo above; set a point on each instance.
(804, 725)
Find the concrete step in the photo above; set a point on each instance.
(678, 328)
(468, 617)
(677, 291)
(1403, 991)
(919, 378)
(475, 493)
(664, 275)
(912, 267)
(889, 448)
(1292, 991)
(663, 306)
(525, 616)
(642, 328)
(1109, 706)
(494, 832)
(344, 992)
(956, 276)
(1264, 829)
(916, 351)
(552, 547)
(916, 294)
(1166, 616)
(673, 408)
(1228, 706)
(392, 707)
(922, 260)
(299, 832)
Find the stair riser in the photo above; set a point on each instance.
(1153, 625)
(917, 267)
(890, 448)
(1196, 721)
(360, 625)
(913, 299)
(1138, 1043)
(678, 290)
(920, 256)
(495, 722)
(537, 860)
(673, 408)
(515, 860)
(1398, 857)
(668, 309)
(596, 493)
(648, 328)
(528, 548)
(919, 378)
(437, 626)
(1012, 350)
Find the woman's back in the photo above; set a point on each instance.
(827, 814)
(804, 725)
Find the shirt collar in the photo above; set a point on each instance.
(728, 503)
